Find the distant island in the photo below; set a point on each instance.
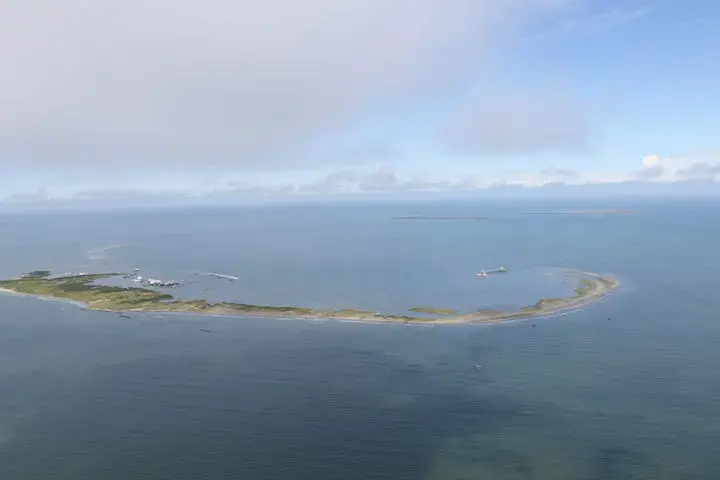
(616, 211)
(425, 217)
(472, 218)
(83, 289)
(434, 311)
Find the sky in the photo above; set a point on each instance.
(224, 100)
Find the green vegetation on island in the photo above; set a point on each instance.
(82, 288)
(434, 311)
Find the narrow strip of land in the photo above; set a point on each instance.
(83, 289)
(617, 211)
(426, 217)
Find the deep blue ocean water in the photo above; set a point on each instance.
(626, 388)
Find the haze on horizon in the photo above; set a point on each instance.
(221, 101)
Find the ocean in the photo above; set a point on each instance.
(625, 388)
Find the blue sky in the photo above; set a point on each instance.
(224, 99)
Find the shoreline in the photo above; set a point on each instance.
(80, 291)
(69, 301)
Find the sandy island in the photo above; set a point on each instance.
(82, 289)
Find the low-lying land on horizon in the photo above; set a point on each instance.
(429, 217)
(82, 288)
(615, 211)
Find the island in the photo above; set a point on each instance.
(83, 289)
(434, 311)
(427, 217)
(614, 211)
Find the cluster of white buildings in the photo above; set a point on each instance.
(154, 282)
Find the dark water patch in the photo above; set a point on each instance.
(617, 463)
(239, 410)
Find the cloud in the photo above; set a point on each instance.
(560, 173)
(651, 161)
(139, 83)
(692, 174)
(649, 173)
(46, 198)
(39, 195)
(353, 181)
(655, 168)
(114, 198)
(699, 169)
(385, 179)
(676, 173)
(357, 183)
(518, 123)
(128, 196)
(673, 169)
(382, 179)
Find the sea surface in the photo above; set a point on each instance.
(625, 388)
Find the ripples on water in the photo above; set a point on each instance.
(625, 389)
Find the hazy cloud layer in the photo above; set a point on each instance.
(513, 123)
(649, 173)
(700, 169)
(705, 165)
(561, 173)
(658, 175)
(387, 179)
(232, 82)
(351, 183)
(141, 198)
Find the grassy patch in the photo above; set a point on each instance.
(434, 311)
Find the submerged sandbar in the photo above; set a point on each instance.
(82, 288)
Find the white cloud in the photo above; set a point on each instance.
(560, 173)
(697, 173)
(654, 169)
(673, 169)
(700, 170)
(233, 82)
(650, 161)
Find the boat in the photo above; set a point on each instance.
(484, 273)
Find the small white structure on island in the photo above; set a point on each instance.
(222, 275)
(154, 282)
(484, 273)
